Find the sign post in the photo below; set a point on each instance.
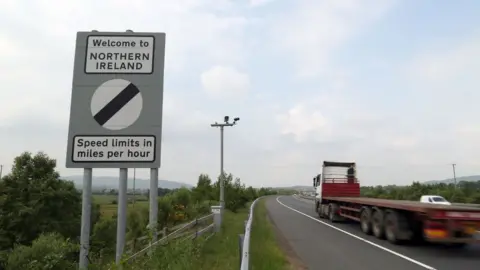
(116, 115)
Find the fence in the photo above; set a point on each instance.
(190, 230)
(145, 240)
(244, 240)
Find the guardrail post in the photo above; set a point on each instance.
(217, 217)
(240, 247)
(164, 231)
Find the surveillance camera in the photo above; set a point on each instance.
(226, 119)
(236, 119)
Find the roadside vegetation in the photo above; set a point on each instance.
(266, 253)
(464, 192)
(40, 218)
(220, 252)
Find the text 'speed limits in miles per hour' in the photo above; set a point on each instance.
(113, 149)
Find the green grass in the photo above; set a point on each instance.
(221, 252)
(108, 209)
(104, 199)
(265, 254)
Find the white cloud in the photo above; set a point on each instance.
(304, 123)
(404, 142)
(258, 3)
(316, 29)
(225, 82)
(446, 64)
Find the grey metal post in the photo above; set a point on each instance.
(221, 126)
(134, 174)
(454, 182)
(454, 175)
(1, 171)
(153, 202)
(122, 214)
(217, 217)
(222, 180)
(86, 213)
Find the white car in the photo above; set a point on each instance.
(435, 199)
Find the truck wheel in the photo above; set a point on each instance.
(318, 209)
(392, 227)
(417, 233)
(324, 210)
(366, 220)
(378, 227)
(332, 212)
(398, 229)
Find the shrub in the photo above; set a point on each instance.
(104, 238)
(48, 252)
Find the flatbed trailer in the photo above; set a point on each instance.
(396, 220)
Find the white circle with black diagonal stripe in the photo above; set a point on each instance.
(116, 104)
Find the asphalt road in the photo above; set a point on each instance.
(323, 245)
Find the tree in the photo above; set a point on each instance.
(204, 190)
(465, 192)
(33, 200)
(162, 191)
(182, 197)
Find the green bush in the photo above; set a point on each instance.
(165, 209)
(49, 251)
(103, 238)
(137, 221)
(203, 208)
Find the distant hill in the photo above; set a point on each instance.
(111, 182)
(471, 178)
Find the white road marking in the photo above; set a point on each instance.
(302, 199)
(360, 238)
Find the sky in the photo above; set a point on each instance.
(391, 85)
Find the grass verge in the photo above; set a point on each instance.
(265, 253)
(219, 252)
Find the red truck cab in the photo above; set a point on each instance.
(335, 181)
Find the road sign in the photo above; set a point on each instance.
(117, 100)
